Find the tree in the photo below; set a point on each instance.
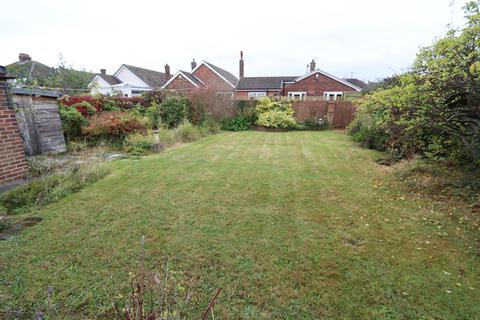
(65, 77)
(434, 109)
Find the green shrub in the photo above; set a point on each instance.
(167, 137)
(365, 129)
(153, 113)
(110, 105)
(266, 104)
(51, 188)
(316, 123)
(76, 145)
(238, 123)
(72, 122)
(138, 144)
(433, 109)
(187, 132)
(210, 126)
(277, 119)
(174, 110)
(275, 114)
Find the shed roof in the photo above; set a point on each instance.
(36, 92)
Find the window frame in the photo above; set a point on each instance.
(254, 95)
(301, 95)
(337, 95)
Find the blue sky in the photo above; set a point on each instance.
(371, 39)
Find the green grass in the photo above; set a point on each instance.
(297, 225)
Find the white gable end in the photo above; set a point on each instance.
(127, 76)
(99, 85)
(98, 82)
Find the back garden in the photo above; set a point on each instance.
(300, 223)
(290, 225)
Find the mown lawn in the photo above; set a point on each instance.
(298, 225)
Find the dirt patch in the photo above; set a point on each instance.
(17, 227)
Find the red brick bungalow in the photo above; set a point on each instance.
(205, 76)
(316, 83)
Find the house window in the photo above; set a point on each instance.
(256, 95)
(137, 92)
(332, 95)
(297, 95)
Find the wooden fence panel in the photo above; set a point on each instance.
(339, 113)
(40, 125)
(343, 114)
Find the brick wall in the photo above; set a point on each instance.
(211, 79)
(314, 86)
(13, 165)
(243, 95)
(180, 83)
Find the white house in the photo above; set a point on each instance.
(129, 81)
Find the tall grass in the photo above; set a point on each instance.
(53, 187)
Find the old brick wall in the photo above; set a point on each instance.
(13, 165)
(180, 83)
(316, 86)
(243, 95)
(211, 79)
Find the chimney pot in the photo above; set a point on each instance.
(167, 72)
(194, 64)
(312, 65)
(23, 57)
(241, 66)
(103, 72)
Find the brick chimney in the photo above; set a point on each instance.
(103, 72)
(24, 57)
(241, 66)
(168, 75)
(194, 64)
(312, 65)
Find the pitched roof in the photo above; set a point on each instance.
(152, 78)
(357, 82)
(192, 78)
(351, 85)
(111, 80)
(224, 73)
(265, 83)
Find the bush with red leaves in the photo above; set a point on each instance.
(114, 125)
(77, 102)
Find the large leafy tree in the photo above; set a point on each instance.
(434, 110)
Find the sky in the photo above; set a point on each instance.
(368, 39)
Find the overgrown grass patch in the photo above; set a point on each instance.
(51, 187)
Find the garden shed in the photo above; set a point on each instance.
(39, 120)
